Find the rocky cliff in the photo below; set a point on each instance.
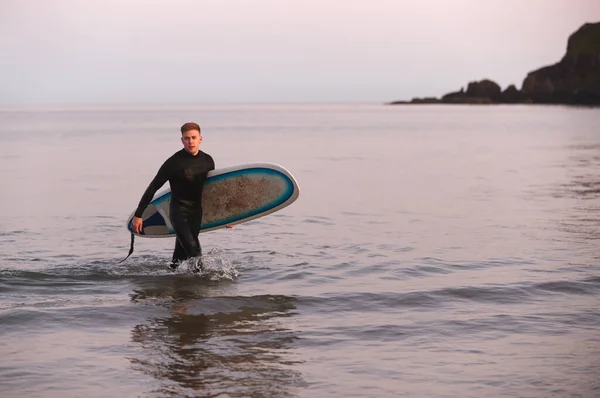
(575, 79)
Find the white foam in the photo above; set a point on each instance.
(215, 266)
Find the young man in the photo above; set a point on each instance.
(186, 172)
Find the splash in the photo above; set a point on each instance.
(216, 266)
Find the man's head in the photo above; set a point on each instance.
(191, 138)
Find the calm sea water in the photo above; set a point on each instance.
(435, 251)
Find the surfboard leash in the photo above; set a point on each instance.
(130, 248)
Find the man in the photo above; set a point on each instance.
(186, 172)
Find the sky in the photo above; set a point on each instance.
(273, 51)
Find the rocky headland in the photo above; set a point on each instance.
(574, 80)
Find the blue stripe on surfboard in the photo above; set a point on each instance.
(287, 193)
(154, 220)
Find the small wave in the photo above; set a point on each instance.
(491, 326)
(15, 232)
(435, 299)
(585, 286)
(356, 214)
(473, 265)
(216, 266)
(319, 220)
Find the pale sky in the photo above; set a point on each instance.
(257, 51)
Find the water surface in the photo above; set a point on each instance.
(435, 251)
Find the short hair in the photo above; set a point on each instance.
(190, 126)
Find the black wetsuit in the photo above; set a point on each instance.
(186, 174)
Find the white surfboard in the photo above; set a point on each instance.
(232, 195)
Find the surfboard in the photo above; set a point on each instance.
(231, 195)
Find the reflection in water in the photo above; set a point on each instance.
(211, 345)
(584, 188)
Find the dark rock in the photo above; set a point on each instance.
(575, 79)
(454, 96)
(484, 89)
(426, 100)
(512, 95)
(481, 92)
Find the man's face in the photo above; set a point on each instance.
(191, 140)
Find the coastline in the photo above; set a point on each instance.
(574, 80)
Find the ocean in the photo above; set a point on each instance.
(434, 251)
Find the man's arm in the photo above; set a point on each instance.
(159, 180)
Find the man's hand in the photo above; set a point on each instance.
(136, 223)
